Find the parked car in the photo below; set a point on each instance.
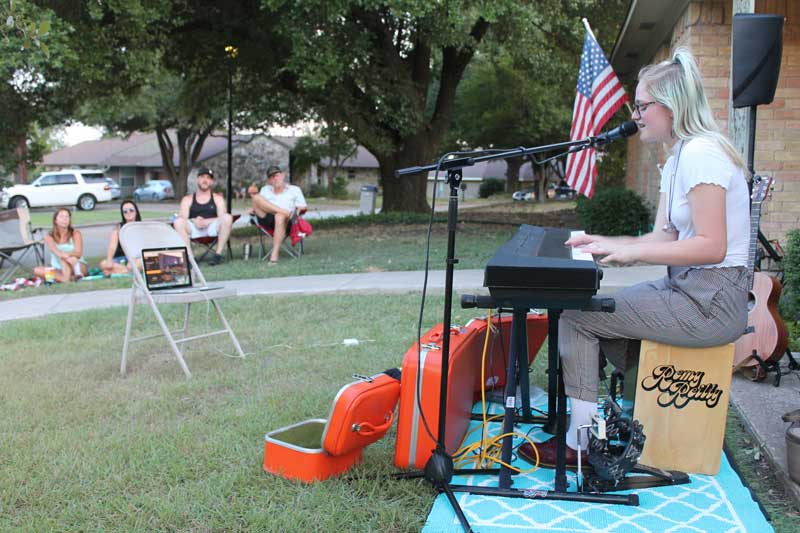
(561, 192)
(116, 192)
(524, 195)
(79, 187)
(154, 190)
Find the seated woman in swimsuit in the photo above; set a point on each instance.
(66, 249)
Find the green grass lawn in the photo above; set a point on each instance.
(84, 449)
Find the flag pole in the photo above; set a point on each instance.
(589, 29)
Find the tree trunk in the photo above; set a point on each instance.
(542, 194)
(512, 173)
(330, 172)
(407, 193)
(22, 153)
(190, 143)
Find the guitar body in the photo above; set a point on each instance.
(767, 337)
(770, 337)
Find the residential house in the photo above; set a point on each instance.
(134, 160)
(654, 28)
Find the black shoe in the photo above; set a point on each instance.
(217, 259)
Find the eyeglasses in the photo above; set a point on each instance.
(641, 107)
(129, 210)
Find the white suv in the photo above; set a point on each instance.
(79, 187)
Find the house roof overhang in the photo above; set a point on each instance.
(648, 24)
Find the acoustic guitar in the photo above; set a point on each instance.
(766, 337)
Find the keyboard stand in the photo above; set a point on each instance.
(518, 372)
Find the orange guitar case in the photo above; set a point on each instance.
(414, 445)
(498, 351)
(317, 449)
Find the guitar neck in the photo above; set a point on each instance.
(761, 187)
(755, 219)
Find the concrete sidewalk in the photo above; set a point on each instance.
(760, 404)
(463, 281)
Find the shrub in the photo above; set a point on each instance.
(340, 188)
(790, 297)
(317, 190)
(490, 186)
(5, 183)
(614, 211)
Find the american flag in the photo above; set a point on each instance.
(600, 95)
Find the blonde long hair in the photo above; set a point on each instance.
(677, 85)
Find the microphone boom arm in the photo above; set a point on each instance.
(624, 130)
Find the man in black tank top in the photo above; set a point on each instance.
(203, 214)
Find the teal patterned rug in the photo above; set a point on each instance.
(715, 504)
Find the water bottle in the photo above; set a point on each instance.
(246, 251)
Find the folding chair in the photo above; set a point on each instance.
(292, 250)
(16, 236)
(136, 236)
(208, 244)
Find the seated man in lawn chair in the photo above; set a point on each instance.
(276, 207)
(204, 215)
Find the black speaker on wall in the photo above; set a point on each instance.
(757, 48)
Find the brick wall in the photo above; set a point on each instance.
(778, 129)
(705, 27)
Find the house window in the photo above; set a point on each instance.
(127, 176)
(351, 174)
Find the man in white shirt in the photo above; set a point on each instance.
(275, 205)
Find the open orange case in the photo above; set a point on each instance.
(317, 449)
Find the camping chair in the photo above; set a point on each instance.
(16, 236)
(267, 234)
(136, 236)
(208, 243)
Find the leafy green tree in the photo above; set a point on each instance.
(507, 103)
(390, 69)
(54, 55)
(184, 98)
(182, 113)
(332, 142)
(35, 60)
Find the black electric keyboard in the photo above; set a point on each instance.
(535, 269)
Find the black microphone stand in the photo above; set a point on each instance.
(439, 468)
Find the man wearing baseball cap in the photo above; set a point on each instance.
(275, 205)
(203, 214)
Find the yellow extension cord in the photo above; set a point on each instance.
(490, 451)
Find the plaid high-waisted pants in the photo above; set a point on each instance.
(691, 307)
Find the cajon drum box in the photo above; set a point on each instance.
(682, 401)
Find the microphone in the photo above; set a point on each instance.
(626, 129)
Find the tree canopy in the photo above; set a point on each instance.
(390, 70)
(387, 70)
